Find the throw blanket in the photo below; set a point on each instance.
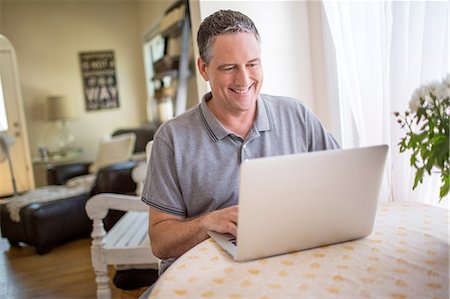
(42, 194)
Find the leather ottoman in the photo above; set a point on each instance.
(47, 224)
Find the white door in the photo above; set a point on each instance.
(11, 102)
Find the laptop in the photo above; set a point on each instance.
(296, 202)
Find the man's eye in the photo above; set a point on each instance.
(228, 68)
(252, 65)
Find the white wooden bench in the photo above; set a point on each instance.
(127, 243)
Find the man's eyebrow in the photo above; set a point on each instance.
(254, 60)
(233, 64)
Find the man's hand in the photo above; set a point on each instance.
(171, 235)
(223, 221)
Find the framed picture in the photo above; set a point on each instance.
(98, 71)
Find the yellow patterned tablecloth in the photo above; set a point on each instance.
(406, 256)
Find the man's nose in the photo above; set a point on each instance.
(242, 77)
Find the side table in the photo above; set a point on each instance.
(40, 166)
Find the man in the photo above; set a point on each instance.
(192, 179)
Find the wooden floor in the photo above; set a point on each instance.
(65, 272)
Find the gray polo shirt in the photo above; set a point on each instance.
(194, 165)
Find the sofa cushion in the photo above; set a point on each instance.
(47, 224)
(40, 195)
(113, 150)
(86, 181)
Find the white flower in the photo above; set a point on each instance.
(433, 88)
(420, 92)
(446, 81)
(441, 90)
(414, 103)
(444, 90)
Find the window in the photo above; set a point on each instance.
(384, 50)
(3, 117)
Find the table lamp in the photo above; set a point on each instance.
(61, 109)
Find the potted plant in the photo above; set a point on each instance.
(426, 123)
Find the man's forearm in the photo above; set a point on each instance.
(172, 238)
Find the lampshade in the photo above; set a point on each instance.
(60, 108)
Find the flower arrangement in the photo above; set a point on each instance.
(427, 132)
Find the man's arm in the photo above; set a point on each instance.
(172, 235)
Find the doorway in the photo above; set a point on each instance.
(13, 124)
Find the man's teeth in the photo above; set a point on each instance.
(240, 91)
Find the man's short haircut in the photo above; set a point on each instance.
(222, 22)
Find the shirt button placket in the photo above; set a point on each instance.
(243, 150)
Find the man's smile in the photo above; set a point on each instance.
(241, 90)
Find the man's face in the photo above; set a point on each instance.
(234, 72)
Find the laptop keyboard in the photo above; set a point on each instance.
(233, 241)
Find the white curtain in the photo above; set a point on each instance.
(383, 51)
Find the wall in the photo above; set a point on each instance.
(150, 14)
(48, 35)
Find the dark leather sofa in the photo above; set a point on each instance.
(48, 224)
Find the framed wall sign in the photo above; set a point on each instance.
(98, 71)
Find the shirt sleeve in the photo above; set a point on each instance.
(161, 187)
(318, 138)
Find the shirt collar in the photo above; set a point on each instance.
(218, 131)
(262, 122)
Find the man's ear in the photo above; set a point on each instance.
(202, 68)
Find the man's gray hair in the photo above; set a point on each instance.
(222, 22)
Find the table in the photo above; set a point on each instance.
(40, 166)
(406, 256)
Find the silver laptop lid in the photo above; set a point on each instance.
(294, 202)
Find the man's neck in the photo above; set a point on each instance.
(240, 123)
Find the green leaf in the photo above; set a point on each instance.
(445, 187)
(413, 161)
(419, 177)
(440, 151)
(402, 145)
